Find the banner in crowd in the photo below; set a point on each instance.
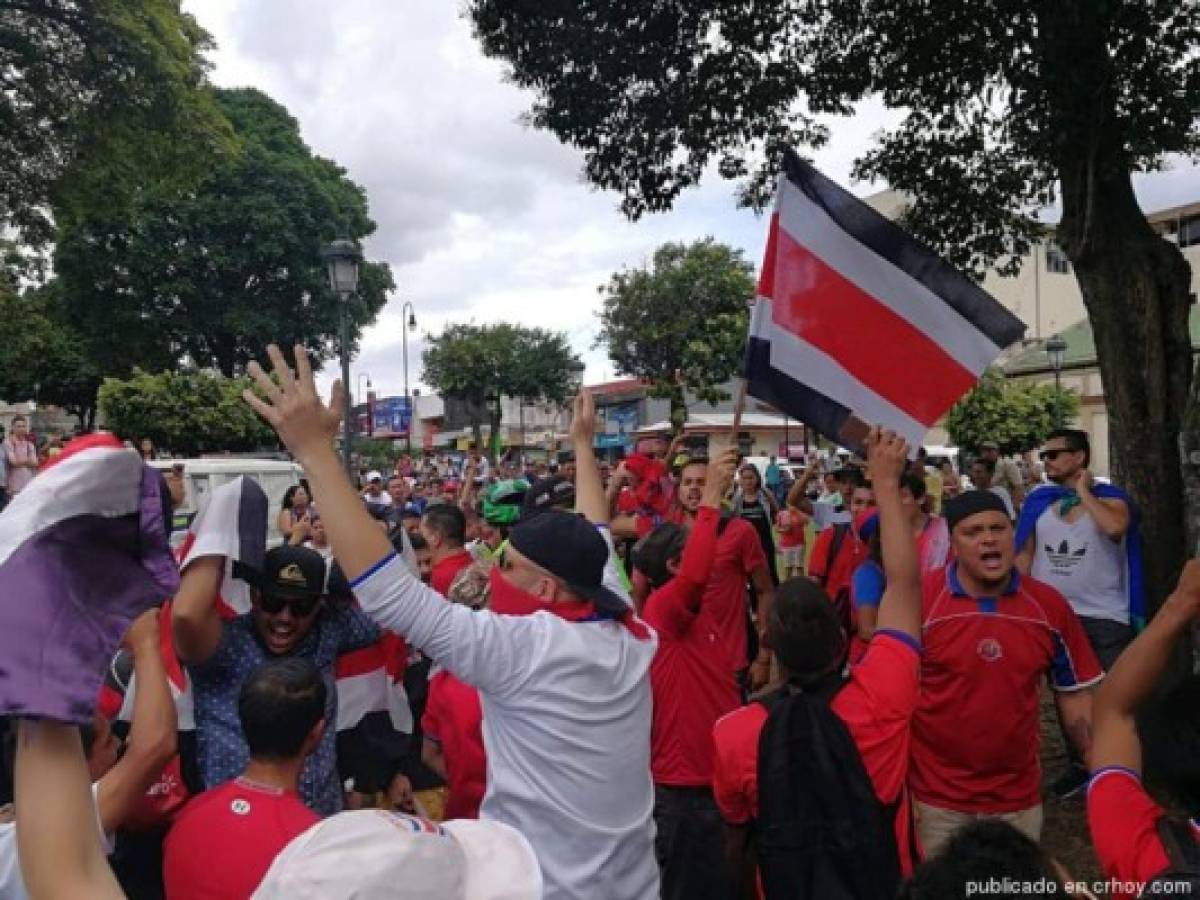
(857, 323)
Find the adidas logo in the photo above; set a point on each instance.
(1064, 557)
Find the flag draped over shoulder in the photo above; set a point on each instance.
(857, 323)
(83, 551)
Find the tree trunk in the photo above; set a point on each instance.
(494, 415)
(1135, 286)
(679, 411)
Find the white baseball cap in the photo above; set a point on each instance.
(374, 476)
(375, 854)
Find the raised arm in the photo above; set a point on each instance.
(58, 841)
(1137, 672)
(153, 730)
(1111, 515)
(195, 622)
(475, 646)
(900, 608)
(796, 496)
(590, 499)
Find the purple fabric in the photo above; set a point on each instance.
(67, 597)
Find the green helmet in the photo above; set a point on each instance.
(502, 501)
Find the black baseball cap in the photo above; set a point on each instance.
(570, 547)
(555, 492)
(292, 573)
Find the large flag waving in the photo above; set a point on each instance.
(856, 323)
(83, 551)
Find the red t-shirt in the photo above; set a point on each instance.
(850, 554)
(790, 526)
(1124, 823)
(976, 734)
(454, 718)
(692, 686)
(444, 571)
(876, 704)
(225, 839)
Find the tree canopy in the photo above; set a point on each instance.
(211, 275)
(1017, 415)
(680, 322)
(185, 413)
(481, 363)
(1006, 106)
(40, 355)
(97, 98)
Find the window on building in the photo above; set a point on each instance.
(1056, 260)
(1189, 231)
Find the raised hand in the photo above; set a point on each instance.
(583, 419)
(292, 406)
(887, 456)
(719, 477)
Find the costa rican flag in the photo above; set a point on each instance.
(83, 551)
(857, 323)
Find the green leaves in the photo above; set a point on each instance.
(682, 321)
(1017, 415)
(186, 413)
(478, 363)
(211, 275)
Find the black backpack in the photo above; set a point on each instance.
(842, 605)
(821, 832)
(1182, 877)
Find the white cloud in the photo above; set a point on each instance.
(480, 217)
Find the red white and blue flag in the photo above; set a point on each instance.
(856, 323)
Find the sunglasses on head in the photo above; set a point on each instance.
(1055, 453)
(301, 607)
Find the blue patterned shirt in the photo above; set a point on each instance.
(220, 747)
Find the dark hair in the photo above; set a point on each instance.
(417, 542)
(976, 853)
(448, 521)
(914, 484)
(758, 483)
(804, 632)
(16, 419)
(395, 477)
(1170, 732)
(846, 475)
(1076, 442)
(652, 553)
(279, 705)
(988, 464)
(291, 493)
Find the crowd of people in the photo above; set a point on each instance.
(680, 677)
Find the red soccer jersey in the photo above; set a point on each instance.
(692, 685)
(976, 734)
(851, 553)
(225, 839)
(454, 718)
(876, 704)
(790, 526)
(1124, 823)
(444, 571)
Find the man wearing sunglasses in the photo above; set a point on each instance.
(1082, 538)
(290, 617)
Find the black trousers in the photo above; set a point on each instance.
(1108, 640)
(689, 844)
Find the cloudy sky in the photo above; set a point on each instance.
(481, 218)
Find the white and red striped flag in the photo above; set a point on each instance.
(857, 323)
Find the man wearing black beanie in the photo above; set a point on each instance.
(990, 637)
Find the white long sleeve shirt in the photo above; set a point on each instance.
(566, 726)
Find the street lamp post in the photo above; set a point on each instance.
(341, 259)
(1056, 350)
(408, 324)
(366, 398)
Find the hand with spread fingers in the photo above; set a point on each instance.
(292, 406)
